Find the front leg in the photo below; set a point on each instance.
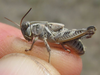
(32, 44)
(48, 48)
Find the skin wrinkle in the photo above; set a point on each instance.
(42, 67)
(45, 71)
(19, 67)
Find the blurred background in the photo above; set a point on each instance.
(72, 13)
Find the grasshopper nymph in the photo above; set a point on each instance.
(55, 33)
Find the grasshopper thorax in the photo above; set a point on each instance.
(37, 29)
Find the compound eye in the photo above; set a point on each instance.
(27, 23)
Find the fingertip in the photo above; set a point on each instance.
(21, 64)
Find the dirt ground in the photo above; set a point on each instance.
(72, 13)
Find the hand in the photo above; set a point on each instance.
(15, 61)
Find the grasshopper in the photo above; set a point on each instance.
(55, 33)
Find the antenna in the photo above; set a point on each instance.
(21, 19)
(24, 16)
(12, 22)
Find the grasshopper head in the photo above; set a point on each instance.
(25, 27)
(26, 31)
